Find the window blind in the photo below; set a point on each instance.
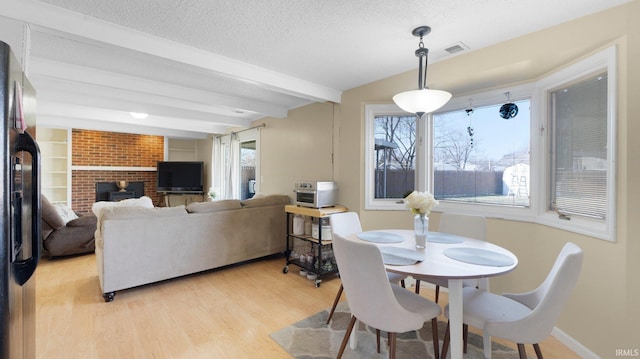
(579, 160)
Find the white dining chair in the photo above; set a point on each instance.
(375, 301)
(525, 318)
(465, 225)
(346, 224)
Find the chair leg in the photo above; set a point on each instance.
(437, 293)
(417, 286)
(352, 322)
(402, 283)
(445, 342)
(392, 345)
(522, 352)
(465, 336)
(335, 303)
(434, 331)
(536, 347)
(378, 339)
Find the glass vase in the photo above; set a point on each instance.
(421, 227)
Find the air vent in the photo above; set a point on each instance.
(457, 47)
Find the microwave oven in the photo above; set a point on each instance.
(316, 194)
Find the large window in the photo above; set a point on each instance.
(552, 163)
(578, 175)
(480, 157)
(578, 133)
(393, 154)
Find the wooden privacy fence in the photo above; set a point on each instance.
(395, 183)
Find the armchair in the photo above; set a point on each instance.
(61, 238)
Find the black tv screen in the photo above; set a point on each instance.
(180, 177)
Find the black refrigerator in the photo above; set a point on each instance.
(20, 211)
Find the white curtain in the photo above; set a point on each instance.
(226, 154)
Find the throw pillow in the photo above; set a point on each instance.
(65, 212)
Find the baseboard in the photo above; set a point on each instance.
(573, 344)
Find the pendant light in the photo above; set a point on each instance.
(423, 100)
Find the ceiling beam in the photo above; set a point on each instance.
(78, 81)
(55, 114)
(58, 19)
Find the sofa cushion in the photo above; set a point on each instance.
(205, 207)
(86, 220)
(50, 214)
(143, 201)
(137, 212)
(266, 201)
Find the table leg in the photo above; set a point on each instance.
(483, 284)
(455, 317)
(353, 338)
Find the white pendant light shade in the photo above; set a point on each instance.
(421, 101)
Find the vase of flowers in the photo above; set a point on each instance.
(212, 194)
(420, 204)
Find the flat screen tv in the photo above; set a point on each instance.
(180, 177)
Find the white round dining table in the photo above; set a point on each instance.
(437, 261)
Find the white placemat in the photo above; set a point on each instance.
(380, 237)
(440, 237)
(400, 256)
(479, 256)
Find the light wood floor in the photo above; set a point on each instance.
(226, 313)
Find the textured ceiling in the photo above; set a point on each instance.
(219, 64)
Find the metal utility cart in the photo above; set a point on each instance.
(311, 253)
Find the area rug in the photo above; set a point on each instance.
(314, 338)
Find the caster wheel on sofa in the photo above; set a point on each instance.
(108, 297)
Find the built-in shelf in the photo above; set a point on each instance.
(55, 149)
(181, 149)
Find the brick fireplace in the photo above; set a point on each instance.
(99, 156)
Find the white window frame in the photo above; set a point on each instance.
(604, 229)
(371, 111)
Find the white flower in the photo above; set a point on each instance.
(420, 202)
(212, 194)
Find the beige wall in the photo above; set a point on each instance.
(603, 311)
(296, 148)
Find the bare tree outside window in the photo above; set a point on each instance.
(453, 146)
(395, 152)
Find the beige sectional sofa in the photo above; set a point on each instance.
(137, 245)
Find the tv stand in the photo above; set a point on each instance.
(179, 199)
